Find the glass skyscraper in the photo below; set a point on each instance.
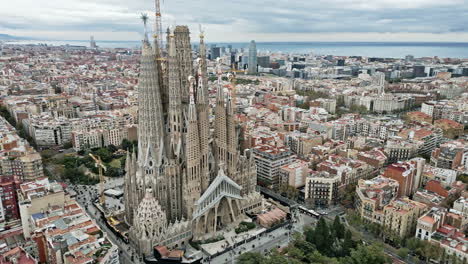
(253, 57)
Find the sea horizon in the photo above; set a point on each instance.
(382, 49)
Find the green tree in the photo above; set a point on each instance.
(413, 244)
(289, 191)
(302, 244)
(312, 94)
(47, 154)
(403, 253)
(349, 196)
(348, 243)
(358, 109)
(276, 258)
(372, 254)
(323, 239)
(317, 258)
(4, 112)
(251, 258)
(112, 148)
(297, 254)
(338, 228)
(128, 145)
(105, 154)
(112, 172)
(463, 178)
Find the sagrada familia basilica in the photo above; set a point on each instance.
(190, 179)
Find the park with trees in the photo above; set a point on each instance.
(326, 243)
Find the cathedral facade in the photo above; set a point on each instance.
(185, 182)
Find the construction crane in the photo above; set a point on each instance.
(100, 166)
(231, 75)
(158, 35)
(232, 78)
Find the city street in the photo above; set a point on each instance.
(264, 243)
(85, 196)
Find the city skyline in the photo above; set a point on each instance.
(431, 21)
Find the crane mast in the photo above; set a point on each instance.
(99, 164)
(158, 30)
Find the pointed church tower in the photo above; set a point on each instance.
(220, 123)
(184, 59)
(176, 129)
(131, 195)
(202, 95)
(192, 181)
(175, 119)
(127, 187)
(150, 128)
(203, 113)
(232, 136)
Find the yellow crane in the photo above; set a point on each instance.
(232, 79)
(100, 166)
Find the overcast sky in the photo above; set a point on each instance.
(242, 20)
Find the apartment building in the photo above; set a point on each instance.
(27, 166)
(445, 176)
(322, 189)
(401, 216)
(9, 209)
(294, 174)
(38, 197)
(269, 160)
(401, 150)
(75, 238)
(449, 155)
(430, 139)
(406, 173)
(373, 195)
(445, 229)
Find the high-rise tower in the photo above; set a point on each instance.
(252, 57)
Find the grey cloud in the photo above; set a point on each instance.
(254, 16)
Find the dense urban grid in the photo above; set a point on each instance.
(186, 152)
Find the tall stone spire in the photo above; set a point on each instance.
(127, 189)
(150, 129)
(131, 195)
(150, 119)
(220, 122)
(232, 137)
(192, 181)
(175, 119)
(203, 121)
(184, 59)
(202, 94)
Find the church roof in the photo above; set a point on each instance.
(207, 200)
